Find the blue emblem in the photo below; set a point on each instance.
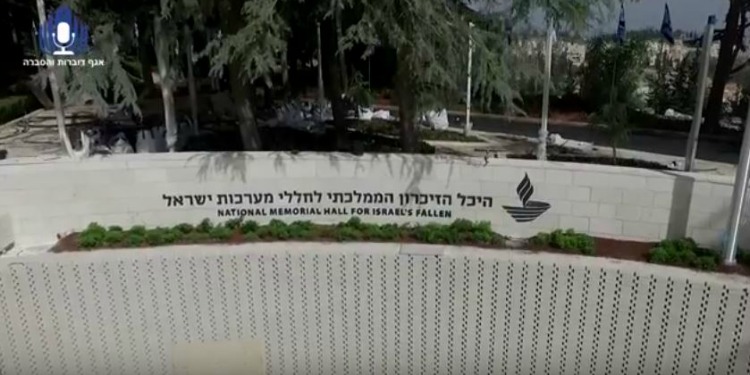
(63, 34)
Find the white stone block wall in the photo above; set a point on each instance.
(44, 199)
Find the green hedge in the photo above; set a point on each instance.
(236, 230)
(568, 240)
(13, 107)
(684, 253)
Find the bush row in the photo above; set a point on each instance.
(568, 240)
(458, 232)
(684, 253)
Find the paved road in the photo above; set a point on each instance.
(673, 145)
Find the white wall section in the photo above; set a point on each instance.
(52, 197)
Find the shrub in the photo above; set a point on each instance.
(184, 228)
(567, 240)
(249, 227)
(432, 233)
(155, 237)
(684, 253)
(221, 233)
(197, 237)
(348, 233)
(233, 223)
(205, 226)
(138, 229)
(275, 230)
(482, 232)
(301, 230)
(114, 237)
(115, 228)
(93, 236)
(134, 240)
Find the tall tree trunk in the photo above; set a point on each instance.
(161, 43)
(340, 52)
(724, 64)
(144, 30)
(406, 103)
(191, 79)
(333, 86)
(231, 21)
(59, 113)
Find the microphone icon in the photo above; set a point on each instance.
(63, 38)
(63, 34)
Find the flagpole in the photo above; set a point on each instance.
(467, 126)
(541, 152)
(695, 128)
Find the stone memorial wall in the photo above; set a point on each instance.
(44, 199)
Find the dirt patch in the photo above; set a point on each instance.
(604, 247)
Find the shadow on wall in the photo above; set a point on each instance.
(414, 167)
(683, 198)
(682, 195)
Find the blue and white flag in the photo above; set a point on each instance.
(666, 25)
(620, 36)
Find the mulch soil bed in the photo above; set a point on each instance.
(604, 247)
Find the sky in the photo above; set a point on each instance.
(687, 15)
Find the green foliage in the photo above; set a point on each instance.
(221, 233)
(684, 253)
(134, 240)
(13, 107)
(114, 228)
(114, 237)
(233, 223)
(276, 230)
(675, 83)
(205, 226)
(249, 227)
(612, 73)
(184, 228)
(611, 77)
(93, 236)
(459, 232)
(568, 240)
(138, 229)
(257, 46)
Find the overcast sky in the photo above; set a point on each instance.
(688, 15)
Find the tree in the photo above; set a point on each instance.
(612, 74)
(430, 39)
(732, 43)
(251, 44)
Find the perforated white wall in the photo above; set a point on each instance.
(376, 311)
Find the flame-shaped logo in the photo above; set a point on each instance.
(63, 34)
(530, 209)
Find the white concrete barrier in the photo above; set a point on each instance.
(53, 197)
(6, 233)
(288, 308)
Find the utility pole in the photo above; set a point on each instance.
(321, 91)
(467, 126)
(695, 128)
(738, 195)
(541, 151)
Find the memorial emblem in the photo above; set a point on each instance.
(530, 210)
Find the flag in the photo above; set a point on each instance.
(620, 36)
(666, 25)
